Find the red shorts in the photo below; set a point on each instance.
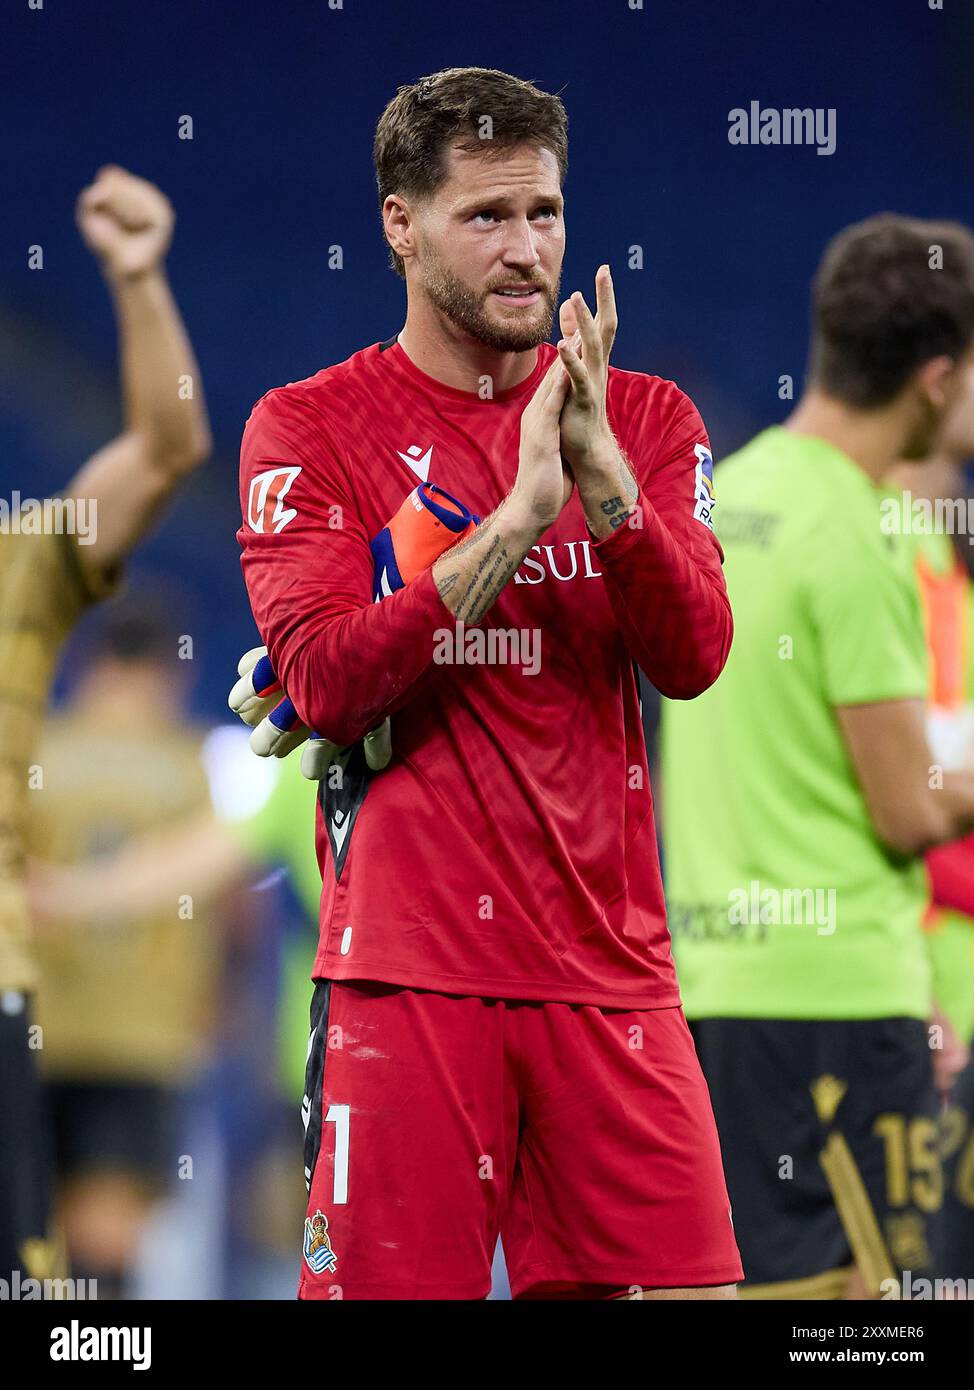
(583, 1136)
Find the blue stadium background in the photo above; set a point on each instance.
(284, 98)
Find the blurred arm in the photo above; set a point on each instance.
(128, 224)
(950, 869)
(887, 742)
(202, 858)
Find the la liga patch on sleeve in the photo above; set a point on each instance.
(704, 500)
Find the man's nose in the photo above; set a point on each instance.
(521, 244)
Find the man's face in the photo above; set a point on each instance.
(957, 437)
(489, 245)
(946, 419)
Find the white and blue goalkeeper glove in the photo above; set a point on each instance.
(428, 522)
(260, 702)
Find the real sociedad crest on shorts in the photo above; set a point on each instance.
(318, 1254)
(703, 494)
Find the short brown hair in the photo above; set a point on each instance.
(423, 119)
(890, 294)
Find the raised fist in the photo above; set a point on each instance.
(125, 221)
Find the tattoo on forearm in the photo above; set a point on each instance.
(469, 607)
(629, 485)
(615, 510)
(481, 531)
(491, 585)
(475, 578)
(493, 571)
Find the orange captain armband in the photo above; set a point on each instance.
(429, 522)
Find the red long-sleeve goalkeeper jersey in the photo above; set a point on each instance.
(509, 849)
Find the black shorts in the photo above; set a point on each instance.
(830, 1140)
(26, 1244)
(954, 1240)
(115, 1126)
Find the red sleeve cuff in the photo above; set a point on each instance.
(951, 871)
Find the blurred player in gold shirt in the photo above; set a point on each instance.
(126, 999)
(54, 562)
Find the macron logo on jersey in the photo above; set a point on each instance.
(703, 486)
(417, 460)
(266, 511)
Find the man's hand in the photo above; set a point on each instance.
(258, 699)
(472, 574)
(543, 483)
(584, 423)
(165, 433)
(126, 222)
(950, 1059)
(605, 482)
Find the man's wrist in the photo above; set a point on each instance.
(600, 462)
(118, 281)
(608, 491)
(519, 522)
(613, 512)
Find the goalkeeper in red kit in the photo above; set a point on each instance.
(497, 1041)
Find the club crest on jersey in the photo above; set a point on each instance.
(266, 511)
(703, 486)
(318, 1254)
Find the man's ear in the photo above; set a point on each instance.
(397, 221)
(933, 380)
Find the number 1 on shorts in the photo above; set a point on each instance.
(338, 1116)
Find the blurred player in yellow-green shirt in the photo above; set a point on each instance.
(940, 516)
(798, 804)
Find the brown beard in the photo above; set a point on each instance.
(466, 308)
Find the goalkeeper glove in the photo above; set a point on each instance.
(257, 697)
(428, 523)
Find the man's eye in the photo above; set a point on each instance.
(488, 216)
(547, 212)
